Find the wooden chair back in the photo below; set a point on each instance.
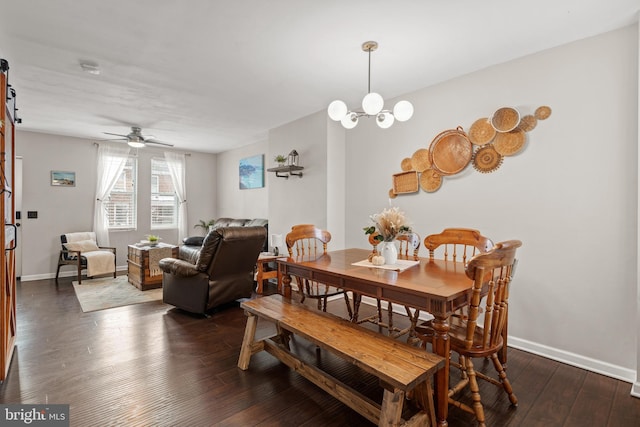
(493, 269)
(409, 245)
(457, 244)
(307, 239)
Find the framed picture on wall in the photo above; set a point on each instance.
(251, 172)
(63, 179)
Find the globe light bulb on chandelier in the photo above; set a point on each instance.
(372, 105)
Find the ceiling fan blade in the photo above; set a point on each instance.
(116, 134)
(113, 139)
(146, 141)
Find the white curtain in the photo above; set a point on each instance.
(176, 164)
(111, 161)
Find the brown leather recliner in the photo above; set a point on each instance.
(222, 273)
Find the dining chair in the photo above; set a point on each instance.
(457, 244)
(309, 240)
(408, 248)
(475, 337)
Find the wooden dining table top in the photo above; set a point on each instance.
(436, 286)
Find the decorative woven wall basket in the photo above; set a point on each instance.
(510, 143)
(421, 160)
(405, 182)
(430, 180)
(451, 151)
(505, 119)
(481, 132)
(406, 165)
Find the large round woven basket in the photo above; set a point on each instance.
(451, 151)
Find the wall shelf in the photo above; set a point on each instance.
(285, 171)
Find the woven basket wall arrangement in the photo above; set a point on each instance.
(486, 144)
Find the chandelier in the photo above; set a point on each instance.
(372, 105)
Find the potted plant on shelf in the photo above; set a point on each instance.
(280, 159)
(205, 225)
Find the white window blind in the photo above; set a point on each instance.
(121, 205)
(164, 203)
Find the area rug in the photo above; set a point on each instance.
(100, 294)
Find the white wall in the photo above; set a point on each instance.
(232, 202)
(286, 202)
(68, 209)
(299, 200)
(570, 196)
(336, 189)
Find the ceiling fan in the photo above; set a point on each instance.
(136, 140)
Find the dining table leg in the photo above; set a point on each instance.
(357, 299)
(286, 285)
(442, 347)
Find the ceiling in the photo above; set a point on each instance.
(209, 76)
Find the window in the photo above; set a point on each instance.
(121, 207)
(164, 202)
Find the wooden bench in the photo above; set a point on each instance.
(399, 367)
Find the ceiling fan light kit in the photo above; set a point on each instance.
(372, 105)
(135, 144)
(90, 67)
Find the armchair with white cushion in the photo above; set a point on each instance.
(82, 251)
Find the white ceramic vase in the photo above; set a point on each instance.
(389, 251)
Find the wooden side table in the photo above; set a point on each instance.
(139, 268)
(263, 275)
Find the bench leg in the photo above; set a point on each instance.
(283, 337)
(247, 343)
(422, 397)
(391, 410)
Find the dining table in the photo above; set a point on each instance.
(435, 286)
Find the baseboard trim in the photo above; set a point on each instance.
(67, 273)
(577, 360)
(635, 389)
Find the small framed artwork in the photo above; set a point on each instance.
(251, 172)
(63, 179)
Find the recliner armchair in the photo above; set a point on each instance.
(222, 272)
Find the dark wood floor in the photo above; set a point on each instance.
(151, 365)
